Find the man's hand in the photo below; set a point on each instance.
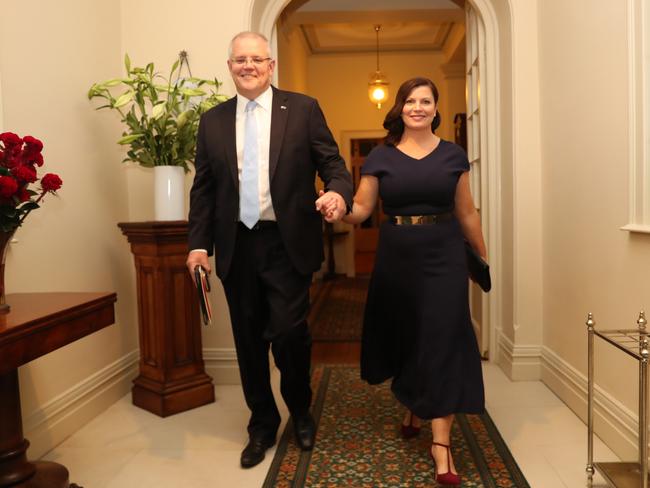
(331, 205)
(197, 258)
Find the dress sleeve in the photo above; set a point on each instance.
(373, 164)
(461, 163)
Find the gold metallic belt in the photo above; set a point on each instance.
(421, 219)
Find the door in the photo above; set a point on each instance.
(366, 234)
(476, 153)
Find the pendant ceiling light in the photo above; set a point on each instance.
(378, 84)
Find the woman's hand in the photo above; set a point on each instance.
(331, 205)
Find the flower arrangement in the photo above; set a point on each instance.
(161, 113)
(19, 160)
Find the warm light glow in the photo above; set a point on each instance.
(378, 94)
(378, 84)
(378, 89)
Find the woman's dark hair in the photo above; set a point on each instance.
(393, 122)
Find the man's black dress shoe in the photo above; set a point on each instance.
(305, 429)
(254, 451)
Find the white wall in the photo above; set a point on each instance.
(71, 243)
(589, 264)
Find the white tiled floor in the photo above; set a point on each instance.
(127, 447)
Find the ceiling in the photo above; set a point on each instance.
(335, 26)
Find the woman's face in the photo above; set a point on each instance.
(419, 109)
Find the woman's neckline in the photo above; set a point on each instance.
(440, 141)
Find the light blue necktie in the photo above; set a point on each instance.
(249, 200)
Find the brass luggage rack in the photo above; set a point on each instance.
(633, 342)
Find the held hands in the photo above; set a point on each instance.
(331, 205)
(197, 258)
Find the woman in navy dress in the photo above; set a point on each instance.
(417, 328)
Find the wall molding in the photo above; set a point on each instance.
(614, 423)
(520, 362)
(54, 421)
(62, 416)
(638, 27)
(221, 364)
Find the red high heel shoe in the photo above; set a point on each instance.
(409, 431)
(448, 478)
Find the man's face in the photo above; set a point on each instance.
(250, 66)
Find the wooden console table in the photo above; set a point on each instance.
(172, 376)
(39, 323)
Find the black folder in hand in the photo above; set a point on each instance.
(203, 288)
(479, 270)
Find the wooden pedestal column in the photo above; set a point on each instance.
(172, 377)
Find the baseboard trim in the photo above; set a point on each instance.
(519, 362)
(221, 364)
(614, 423)
(57, 419)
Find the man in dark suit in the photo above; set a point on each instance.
(253, 202)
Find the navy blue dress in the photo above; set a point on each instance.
(417, 328)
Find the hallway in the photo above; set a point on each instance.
(126, 446)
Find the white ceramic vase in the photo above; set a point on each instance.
(169, 193)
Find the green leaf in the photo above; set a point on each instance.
(123, 99)
(183, 117)
(112, 82)
(29, 206)
(93, 91)
(192, 92)
(129, 139)
(158, 110)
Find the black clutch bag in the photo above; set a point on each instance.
(479, 270)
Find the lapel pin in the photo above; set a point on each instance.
(283, 107)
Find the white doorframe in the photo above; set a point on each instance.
(491, 104)
(493, 107)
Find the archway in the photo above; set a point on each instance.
(498, 106)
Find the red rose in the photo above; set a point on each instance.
(11, 160)
(25, 173)
(23, 195)
(33, 144)
(8, 186)
(10, 139)
(36, 158)
(51, 182)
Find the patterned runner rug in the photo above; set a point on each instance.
(359, 445)
(337, 310)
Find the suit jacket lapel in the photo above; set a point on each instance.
(279, 114)
(229, 135)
